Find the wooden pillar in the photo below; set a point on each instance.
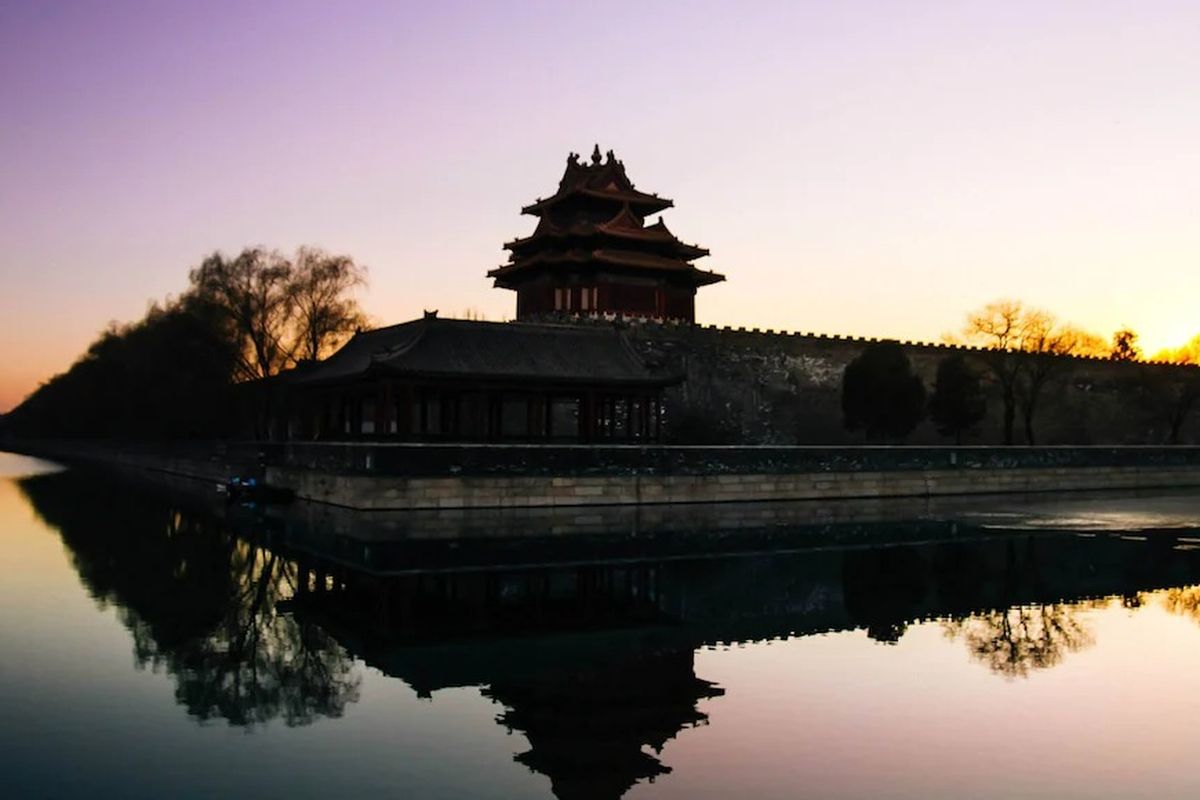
(345, 415)
(549, 416)
(400, 410)
(423, 401)
(383, 409)
(586, 413)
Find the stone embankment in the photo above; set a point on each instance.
(374, 476)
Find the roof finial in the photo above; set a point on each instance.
(596, 155)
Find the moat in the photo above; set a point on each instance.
(161, 643)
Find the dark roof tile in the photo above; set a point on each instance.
(468, 349)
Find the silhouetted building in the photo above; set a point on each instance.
(462, 380)
(593, 253)
(537, 379)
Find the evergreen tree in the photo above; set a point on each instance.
(881, 395)
(958, 402)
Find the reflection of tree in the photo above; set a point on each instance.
(1184, 601)
(1018, 640)
(256, 664)
(201, 604)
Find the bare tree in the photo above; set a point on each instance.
(1024, 348)
(1173, 393)
(253, 291)
(281, 310)
(998, 328)
(1047, 343)
(326, 313)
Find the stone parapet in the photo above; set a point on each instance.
(396, 476)
(377, 492)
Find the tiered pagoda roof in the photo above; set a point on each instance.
(597, 220)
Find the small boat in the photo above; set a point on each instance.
(251, 490)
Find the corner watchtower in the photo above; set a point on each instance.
(593, 253)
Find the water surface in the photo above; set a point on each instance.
(157, 643)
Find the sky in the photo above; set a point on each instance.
(868, 168)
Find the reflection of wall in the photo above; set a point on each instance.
(593, 663)
(593, 660)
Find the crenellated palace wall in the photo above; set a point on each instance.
(768, 387)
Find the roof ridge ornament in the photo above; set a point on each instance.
(596, 155)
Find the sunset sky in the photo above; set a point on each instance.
(855, 167)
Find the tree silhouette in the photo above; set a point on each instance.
(326, 312)
(281, 310)
(997, 327)
(1172, 397)
(1024, 348)
(880, 393)
(170, 375)
(167, 376)
(1046, 343)
(958, 402)
(1125, 346)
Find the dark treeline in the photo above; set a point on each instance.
(166, 375)
(176, 372)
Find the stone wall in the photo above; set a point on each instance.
(765, 387)
(376, 492)
(379, 476)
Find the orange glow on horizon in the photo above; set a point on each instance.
(26, 370)
(863, 171)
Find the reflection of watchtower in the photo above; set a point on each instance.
(587, 726)
(592, 252)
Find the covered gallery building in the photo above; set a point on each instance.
(437, 379)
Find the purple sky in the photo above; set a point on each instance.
(873, 168)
